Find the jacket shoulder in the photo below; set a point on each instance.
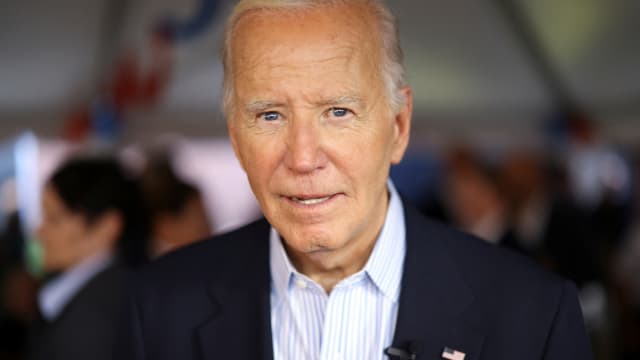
(520, 307)
(212, 257)
(487, 268)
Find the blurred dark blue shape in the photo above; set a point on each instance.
(181, 30)
(105, 121)
(418, 177)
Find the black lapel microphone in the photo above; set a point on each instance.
(403, 354)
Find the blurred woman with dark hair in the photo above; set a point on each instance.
(176, 208)
(93, 228)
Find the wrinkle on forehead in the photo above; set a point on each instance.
(318, 55)
(266, 72)
(343, 29)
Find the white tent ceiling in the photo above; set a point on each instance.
(463, 57)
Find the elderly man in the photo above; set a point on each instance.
(318, 110)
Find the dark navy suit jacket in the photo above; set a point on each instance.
(211, 301)
(85, 329)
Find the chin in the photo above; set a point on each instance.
(310, 240)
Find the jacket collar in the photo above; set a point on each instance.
(239, 324)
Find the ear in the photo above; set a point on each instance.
(163, 226)
(106, 229)
(402, 126)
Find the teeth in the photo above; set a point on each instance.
(310, 201)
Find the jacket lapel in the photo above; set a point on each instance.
(239, 326)
(434, 296)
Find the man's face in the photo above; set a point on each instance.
(312, 128)
(62, 233)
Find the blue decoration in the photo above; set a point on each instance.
(183, 30)
(105, 120)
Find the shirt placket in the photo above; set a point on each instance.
(338, 314)
(303, 316)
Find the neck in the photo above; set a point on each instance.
(328, 268)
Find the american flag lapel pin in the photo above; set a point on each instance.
(451, 354)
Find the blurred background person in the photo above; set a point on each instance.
(176, 208)
(626, 280)
(93, 228)
(475, 200)
(523, 180)
(17, 293)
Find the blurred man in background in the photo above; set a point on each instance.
(93, 227)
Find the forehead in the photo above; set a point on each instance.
(320, 42)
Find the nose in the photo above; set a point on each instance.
(304, 147)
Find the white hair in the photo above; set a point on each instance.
(392, 69)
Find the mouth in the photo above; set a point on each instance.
(310, 200)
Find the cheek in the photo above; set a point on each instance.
(364, 158)
(259, 175)
(55, 246)
(261, 157)
(51, 236)
(63, 239)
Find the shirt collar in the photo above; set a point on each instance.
(281, 267)
(384, 266)
(55, 295)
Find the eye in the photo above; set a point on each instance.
(269, 116)
(339, 112)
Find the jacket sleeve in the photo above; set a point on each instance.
(568, 339)
(129, 340)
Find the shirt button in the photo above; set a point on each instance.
(301, 284)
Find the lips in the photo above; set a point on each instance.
(310, 200)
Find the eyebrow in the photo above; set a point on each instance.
(341, 100)
(261, 105)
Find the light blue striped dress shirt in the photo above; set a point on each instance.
(357, 320)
